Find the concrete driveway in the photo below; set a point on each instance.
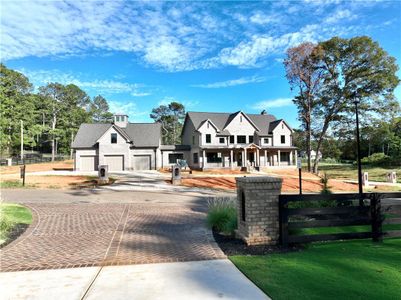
(93, 228)
(203, 280)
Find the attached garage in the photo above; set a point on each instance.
(142, 162)
(114, 162)
(88, 163)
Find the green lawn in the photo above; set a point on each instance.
(349, 171)
(336, 270)
(342, 229)
(10, 216)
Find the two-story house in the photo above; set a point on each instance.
(209, 140)
(224, 140)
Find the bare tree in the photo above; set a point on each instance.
(306, 79)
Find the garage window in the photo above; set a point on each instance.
(114, 138)
(172, 158)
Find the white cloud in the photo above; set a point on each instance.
(42, 77)
(128, 108)
(249, 54)
(233, 82)
(170, 36)
(339, 15)
(262, 19)
(188, 104)
(266, 104)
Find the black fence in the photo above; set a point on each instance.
(31, 159)
(376, 218)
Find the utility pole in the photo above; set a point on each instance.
(22, 140)
(356, 102)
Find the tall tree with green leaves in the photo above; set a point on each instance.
(352, 69)
(17, 103)
(100, 110)
(171, 117)
(67, 108)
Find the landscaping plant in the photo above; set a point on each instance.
(222, 215)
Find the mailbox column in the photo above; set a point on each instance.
(258, 209)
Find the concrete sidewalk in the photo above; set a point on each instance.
(212, 279)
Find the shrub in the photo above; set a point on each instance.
(222, 215)
(376, 159)
(325, 181)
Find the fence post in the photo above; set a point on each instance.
(258, 210)
(283, 213)
(377, 218)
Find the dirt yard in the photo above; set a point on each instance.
(52, 182)
(289, 184)
(66, 165)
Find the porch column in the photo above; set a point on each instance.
(266, 158)
(244, 159)
(278, 157)
(257, 158)
(231, 158)
(203, 159)
(290, 159)
(296, 157)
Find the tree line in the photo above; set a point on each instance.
(50, 116)
(330, 78)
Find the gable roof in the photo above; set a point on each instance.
(221, 120)
(141, 134)
(274, 124)
(232, 116)
(88, 134)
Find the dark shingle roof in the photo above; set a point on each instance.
(141, 134)
(221, 120)
(144, 134)
(88, 134)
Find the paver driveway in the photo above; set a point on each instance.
(90, 234)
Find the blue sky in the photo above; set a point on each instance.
(210, 56)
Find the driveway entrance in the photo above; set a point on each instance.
(93, 234)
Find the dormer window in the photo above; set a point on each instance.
(113, 138)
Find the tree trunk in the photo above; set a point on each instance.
(319, 144)
(72, 139)
(308, 145)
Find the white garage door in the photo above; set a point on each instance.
(88, 163)
(142, 162)
(115, 162)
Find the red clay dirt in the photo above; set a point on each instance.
(289, 184)
(66, 165)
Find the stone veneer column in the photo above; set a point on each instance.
(258, 209)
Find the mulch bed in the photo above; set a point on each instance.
(17, 230)
(232, 246)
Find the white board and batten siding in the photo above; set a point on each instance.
(116, 155)
(86, 160)
(143, 159)
(115, 163)
(142, 162)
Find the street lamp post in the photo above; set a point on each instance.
(356, 102)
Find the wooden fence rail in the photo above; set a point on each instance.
(298, 212)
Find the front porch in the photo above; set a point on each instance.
(249, 156)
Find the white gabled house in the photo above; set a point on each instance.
(209, 140)
(224, 140)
